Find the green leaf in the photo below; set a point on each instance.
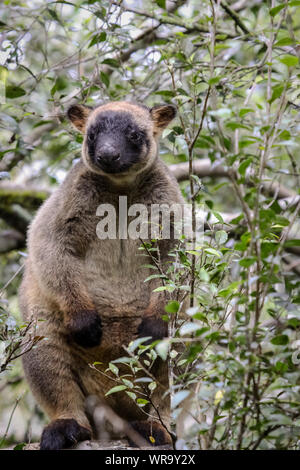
(281, 367)
(53, 14)
(285, 134)
(277, 9)
(117, 388)
(131, 395)
(142, 401)
(113, 368)
(229, 290)
(289, 60)
(281, 221)
(244, 165)
(204, 275)
(246, 262)
(245, 111)
(218, 217)
(122, 360)
(172, 307)
(13, 91)
(290, 243)
(276, 93)
(287, 41)
(154, 276)
(236, 125)
(137, 342)
(128, 383)
(112, 62)
(267, 248)
(152, 386)
(237, 219)
(213, 252)
(104, 79)
(166, 93)
(280, 340)
(214, 80)
(98, 38)
(221, 237)
(20, 446)
(143, 380)
(160, 289)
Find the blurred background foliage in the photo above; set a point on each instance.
(232, 69)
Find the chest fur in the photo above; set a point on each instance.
(115, 275)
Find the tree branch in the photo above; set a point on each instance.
(174, 21)
(204, 167)
(234, 16)
(11, 240)
(11, 159)
(29, 198)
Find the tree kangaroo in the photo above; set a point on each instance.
(90, 292)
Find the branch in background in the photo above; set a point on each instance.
(146, 38)
(15, 199)
(16, 207)
(29, 198)
(204, 167)
(174, 21)
(32, 198)
(234, 16)
(14, 381)
(11, 159)
(201, 168)
(14, 218)
(21, 345)
(11, 240)
(241, 4)
(292, 264)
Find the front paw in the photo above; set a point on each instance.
(154, 327)
(85, 328)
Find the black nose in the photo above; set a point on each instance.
(108, 154)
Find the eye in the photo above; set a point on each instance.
(135, 136)
(91, 137)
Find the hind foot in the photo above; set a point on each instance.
(63, 433)
(153, 432)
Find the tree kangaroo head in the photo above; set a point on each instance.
(120, 138)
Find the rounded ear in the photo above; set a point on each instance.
(162, 115)
(78, 114)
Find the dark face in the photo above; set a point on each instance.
(120, 137)
(115, 142)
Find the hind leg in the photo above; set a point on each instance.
(58, 390)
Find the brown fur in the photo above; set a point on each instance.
(80, 285)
